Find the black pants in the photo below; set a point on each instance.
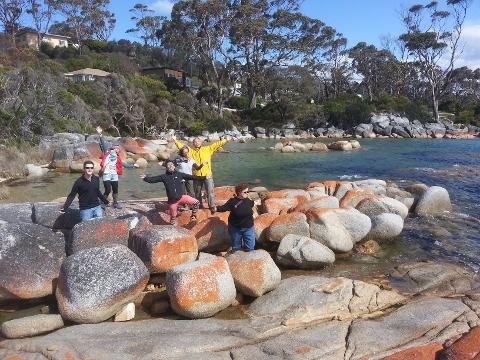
(109, 186)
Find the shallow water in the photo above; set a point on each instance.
(453, 164)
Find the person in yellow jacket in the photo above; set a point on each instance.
(203, 155)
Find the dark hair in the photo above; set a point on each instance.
(88, 162)
(240, 187)
(180, 152)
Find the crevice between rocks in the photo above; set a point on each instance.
(347, 336)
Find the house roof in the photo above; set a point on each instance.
(33, 31)
(88, 71)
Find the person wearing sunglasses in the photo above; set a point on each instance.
(240, 220)
(87, 187)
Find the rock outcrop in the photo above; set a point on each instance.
(94, 284)
(202, 288)
(254, 272)
(30, 260)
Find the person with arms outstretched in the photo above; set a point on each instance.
(203, 155)
(172, 180)
(87, 187)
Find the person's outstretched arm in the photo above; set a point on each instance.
(152, 179)
(70, 197)
(225, 207)
(192, 177)
(217, 145)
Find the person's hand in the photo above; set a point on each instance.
(135, 165)
(228, 138)
(142, 176)
(99, 130)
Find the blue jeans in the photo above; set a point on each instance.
(238, 234)
(95, 212)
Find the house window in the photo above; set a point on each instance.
(62, 42)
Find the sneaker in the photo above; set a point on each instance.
(116, 205)
(193, 218)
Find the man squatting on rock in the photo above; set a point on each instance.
(87, 187)
(173, 186)
(203, 155)
(240, 219)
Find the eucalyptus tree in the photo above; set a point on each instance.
(11, 12)
(433, 39)
(41, 14)
(87, 18)
(269, 33)
(146, 24)
(325, 55)
(377, 68)
(200, 30)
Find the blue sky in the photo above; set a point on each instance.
(358, 20)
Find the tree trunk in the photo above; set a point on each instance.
(252, 99)
(436, 116)
(220, 100)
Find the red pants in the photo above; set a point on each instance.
(184, 200)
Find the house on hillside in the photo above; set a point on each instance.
(29, 38)
(87, 74)
(163, 72)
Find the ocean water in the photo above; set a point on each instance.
(453, 164)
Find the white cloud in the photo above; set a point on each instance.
(471, 47)
(163, 7)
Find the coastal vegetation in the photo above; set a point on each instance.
(257, 63)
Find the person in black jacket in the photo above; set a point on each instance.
(87, 187)
(173, 186)
(240, 220)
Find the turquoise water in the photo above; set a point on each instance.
(453, 164)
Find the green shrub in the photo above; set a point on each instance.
(196, 128)
(237, 102)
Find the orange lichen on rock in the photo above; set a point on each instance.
(247, 271)
(354, 196)
(200, 285)
(261, 225)
(466, 348)
(179, 250)
(314, 185)
(276, 205)
(108, 231)
(425, 352)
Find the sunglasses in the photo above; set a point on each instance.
(88, 167)
(245, 192)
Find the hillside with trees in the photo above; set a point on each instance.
(288, 66)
